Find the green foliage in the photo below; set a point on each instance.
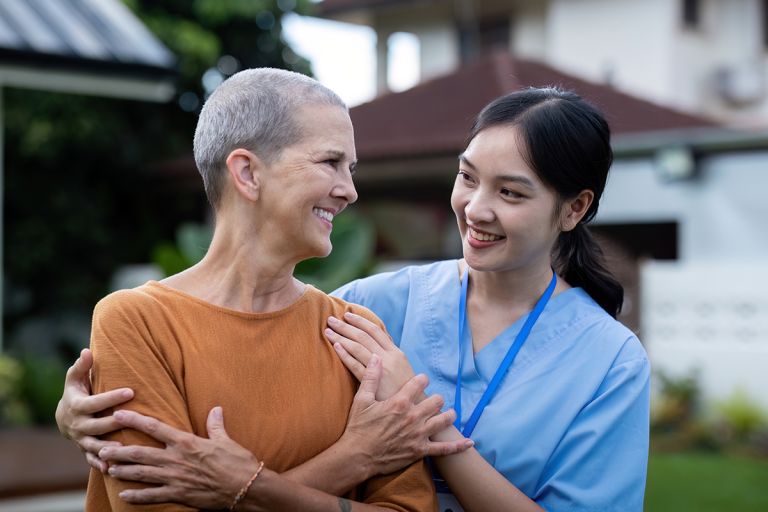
(192, 241)
(741, 416)
(353, 243)
(84, 191)
(678, 400)
(41, 386)
(13, 410)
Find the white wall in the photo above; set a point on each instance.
(721, 213)
(627, 39)
(712, 318)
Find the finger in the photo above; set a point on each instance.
(139, 473)
(78, 372)
(215, 424)
(146, 455)
(93, 444)
(369, 383)
(102, 401)
(414, 388)
(352, 364)
(438, 449)
(150, 426)
(353, 334)
(440, 422)
(162, 494)
(356, 350)
(430, 406)
(379, 335)
(95, 462)
(97, 426)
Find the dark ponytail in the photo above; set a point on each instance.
(580, 261)
(567, 141)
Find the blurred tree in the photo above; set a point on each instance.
(82, 195)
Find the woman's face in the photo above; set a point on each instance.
(310, 184)
(506, 214)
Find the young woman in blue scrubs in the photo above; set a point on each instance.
(520, 335)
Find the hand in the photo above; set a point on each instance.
(76, 409)
(396, 432)
(356, 338)
(198, 472)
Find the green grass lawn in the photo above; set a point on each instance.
(704, 482)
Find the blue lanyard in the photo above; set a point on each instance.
(493, 386)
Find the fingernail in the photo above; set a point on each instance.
(333, 320)
(217, 412)
(328, 332)
(126, 393)
(111, 470)
(349, 314)
(120, 415)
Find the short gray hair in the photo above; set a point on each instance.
(254, 110)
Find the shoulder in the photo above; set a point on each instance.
(393, 285)
(126, 303)
(596, 326)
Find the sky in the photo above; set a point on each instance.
(343, 56)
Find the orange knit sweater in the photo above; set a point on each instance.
(284, 392)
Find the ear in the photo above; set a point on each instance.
(573, 210)
(244, 169)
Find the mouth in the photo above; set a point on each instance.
(482, 236)
(326, 215)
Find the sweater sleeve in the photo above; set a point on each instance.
(129, 352)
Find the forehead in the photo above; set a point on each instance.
(498, 149)
(325, 125)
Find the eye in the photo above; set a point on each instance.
(331, 161)
(511, 194)
(466, 177)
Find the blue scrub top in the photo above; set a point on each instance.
(569, 423)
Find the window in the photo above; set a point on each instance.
(691, 13)
(765, 24)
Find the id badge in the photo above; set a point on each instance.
(448, 503)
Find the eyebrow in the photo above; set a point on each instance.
(522, 180)
(335, 153)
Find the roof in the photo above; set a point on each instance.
(434, 117)
(330, 8)
(85, 34)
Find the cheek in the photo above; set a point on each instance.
(458, 202)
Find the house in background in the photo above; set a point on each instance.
(708, 57)
(95, 48)
(682, 83)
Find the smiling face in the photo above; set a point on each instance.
(506, 214)
(309, 184)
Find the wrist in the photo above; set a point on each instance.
(351, 450)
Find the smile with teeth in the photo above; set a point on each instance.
(483, 237)
(323, 214)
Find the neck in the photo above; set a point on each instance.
(241, 272)
(516, 289)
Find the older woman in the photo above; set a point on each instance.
(238, 332)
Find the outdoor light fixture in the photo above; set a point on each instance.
(675, 163)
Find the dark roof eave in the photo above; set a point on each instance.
(37, 60)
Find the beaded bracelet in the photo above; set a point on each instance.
(245, 488)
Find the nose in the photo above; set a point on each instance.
(345, 188)
(477, 210)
